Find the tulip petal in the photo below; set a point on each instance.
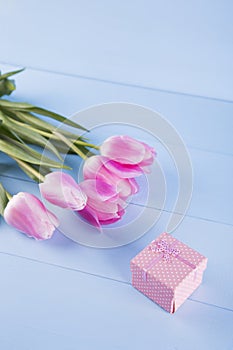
(104, 206)
(123, 170)
(96, 168)
(107, 216)
(123, 149)
(134, 186)
(106, 221)
(62, 190)
(127, 187)
(110, 221)
(93, 167)
(52, 218)
(27, 213)
(149, 157)
(98, 189)
(90, 216)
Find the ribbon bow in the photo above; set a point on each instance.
(168, 250)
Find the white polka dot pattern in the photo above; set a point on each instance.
(167, 275)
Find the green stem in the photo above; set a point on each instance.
(3, 190)
(70, 144)
(4, 199)
(53, 136)
(30, 169)
(83, 143)
(9, 196)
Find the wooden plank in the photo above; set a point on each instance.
(44, 306)
(212, 239)
(202, 124)
(212, 183)
(178, 46)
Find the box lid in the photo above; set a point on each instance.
(168, 260)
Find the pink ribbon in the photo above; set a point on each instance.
(167, 251)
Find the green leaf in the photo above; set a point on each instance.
(32, 171)
(57, 117)
(7, 75)
(62, 148)
(27, 118)
(41, 111)
(21, 151)
(10, 85)
(3, 199)
(31, 119)
(27, 134)
(6, 87)
(38, 169)
(28, 173)
(15, 105)
(41, 124)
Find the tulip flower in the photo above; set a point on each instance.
(104, 206)
(62, 190)
(103, 168)
(27, 214)
(128, 151)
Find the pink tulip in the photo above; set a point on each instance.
(128, 151)
(27, 213)
(103, 203)
(106, 170)
(62, 190)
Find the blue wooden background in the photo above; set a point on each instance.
(176, 58)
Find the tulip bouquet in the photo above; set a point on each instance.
(109, 178)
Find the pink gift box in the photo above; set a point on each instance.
(167, 271)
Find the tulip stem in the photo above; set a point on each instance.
(30, 169)
(83, 143)
(70, 144)
(4, 199)
(53, 136)
(5, 192)
(9, 196)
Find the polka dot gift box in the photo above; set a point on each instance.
(167, 271)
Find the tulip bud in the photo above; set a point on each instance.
(113, 173)
(104, 206)
(62, 190)
(6, 87)
(28, 214)
(128, 151)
